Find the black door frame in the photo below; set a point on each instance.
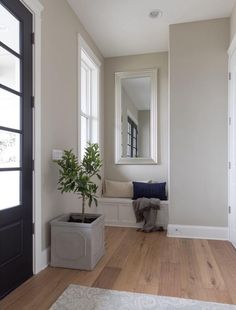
(24, 217)
(40, 257)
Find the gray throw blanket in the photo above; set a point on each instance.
(145, 209)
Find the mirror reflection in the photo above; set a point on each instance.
(135, 117)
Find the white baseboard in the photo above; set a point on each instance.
(44, 261)
(198, 232)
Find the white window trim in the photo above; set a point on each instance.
(40, 260)
(82, 45)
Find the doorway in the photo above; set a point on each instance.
(16, 132)
(232, 146)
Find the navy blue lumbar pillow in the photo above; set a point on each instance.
(149, 190)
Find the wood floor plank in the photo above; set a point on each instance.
(39, 290)
(170, 284)
(170, 250)
(145, 263)
(149, 275)
(211, 295)
(224, 254)
(209, 270)
(190, 280)
(128, 277)
(107, 277)
(121, 254)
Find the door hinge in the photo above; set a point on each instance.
(32, 102)
(229, 209)
(230, 121)
(33, 228)
(32, 164)
(229, 165)
(32, 38)
(230, 76)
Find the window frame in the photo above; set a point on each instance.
(96, 64)
(134, 145)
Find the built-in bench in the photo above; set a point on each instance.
(119, 212)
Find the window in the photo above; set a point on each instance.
(89, 98)
(132, 144)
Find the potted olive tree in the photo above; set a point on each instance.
(77, 239)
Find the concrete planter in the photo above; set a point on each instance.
(77, 245)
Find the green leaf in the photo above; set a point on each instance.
(77, 178)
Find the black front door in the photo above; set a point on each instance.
(15, 145)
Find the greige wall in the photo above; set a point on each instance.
(198, 123)
(233, 23)
(128, 63)
(198, 96)
(60, 28)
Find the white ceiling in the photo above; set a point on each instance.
(139, 91)
(122, 27)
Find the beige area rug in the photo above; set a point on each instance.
(77, 297)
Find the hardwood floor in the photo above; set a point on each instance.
(139, 262)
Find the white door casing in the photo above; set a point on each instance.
(39, 262)
(232, 143)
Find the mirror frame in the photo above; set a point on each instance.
(153, 159)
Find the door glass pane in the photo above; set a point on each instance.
(9, 149)
(9, 29)
(9, 70)
(9, 189)
(9, 110)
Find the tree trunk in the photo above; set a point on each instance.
(83, 209)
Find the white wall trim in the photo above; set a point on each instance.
(38, 255)
(232, 46)
(198, 232)
(169, 132)
(45, 258)
(231, 117)
(82, 44)
(34, 6)
(230, 54)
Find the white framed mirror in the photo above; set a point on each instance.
(136, 127)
